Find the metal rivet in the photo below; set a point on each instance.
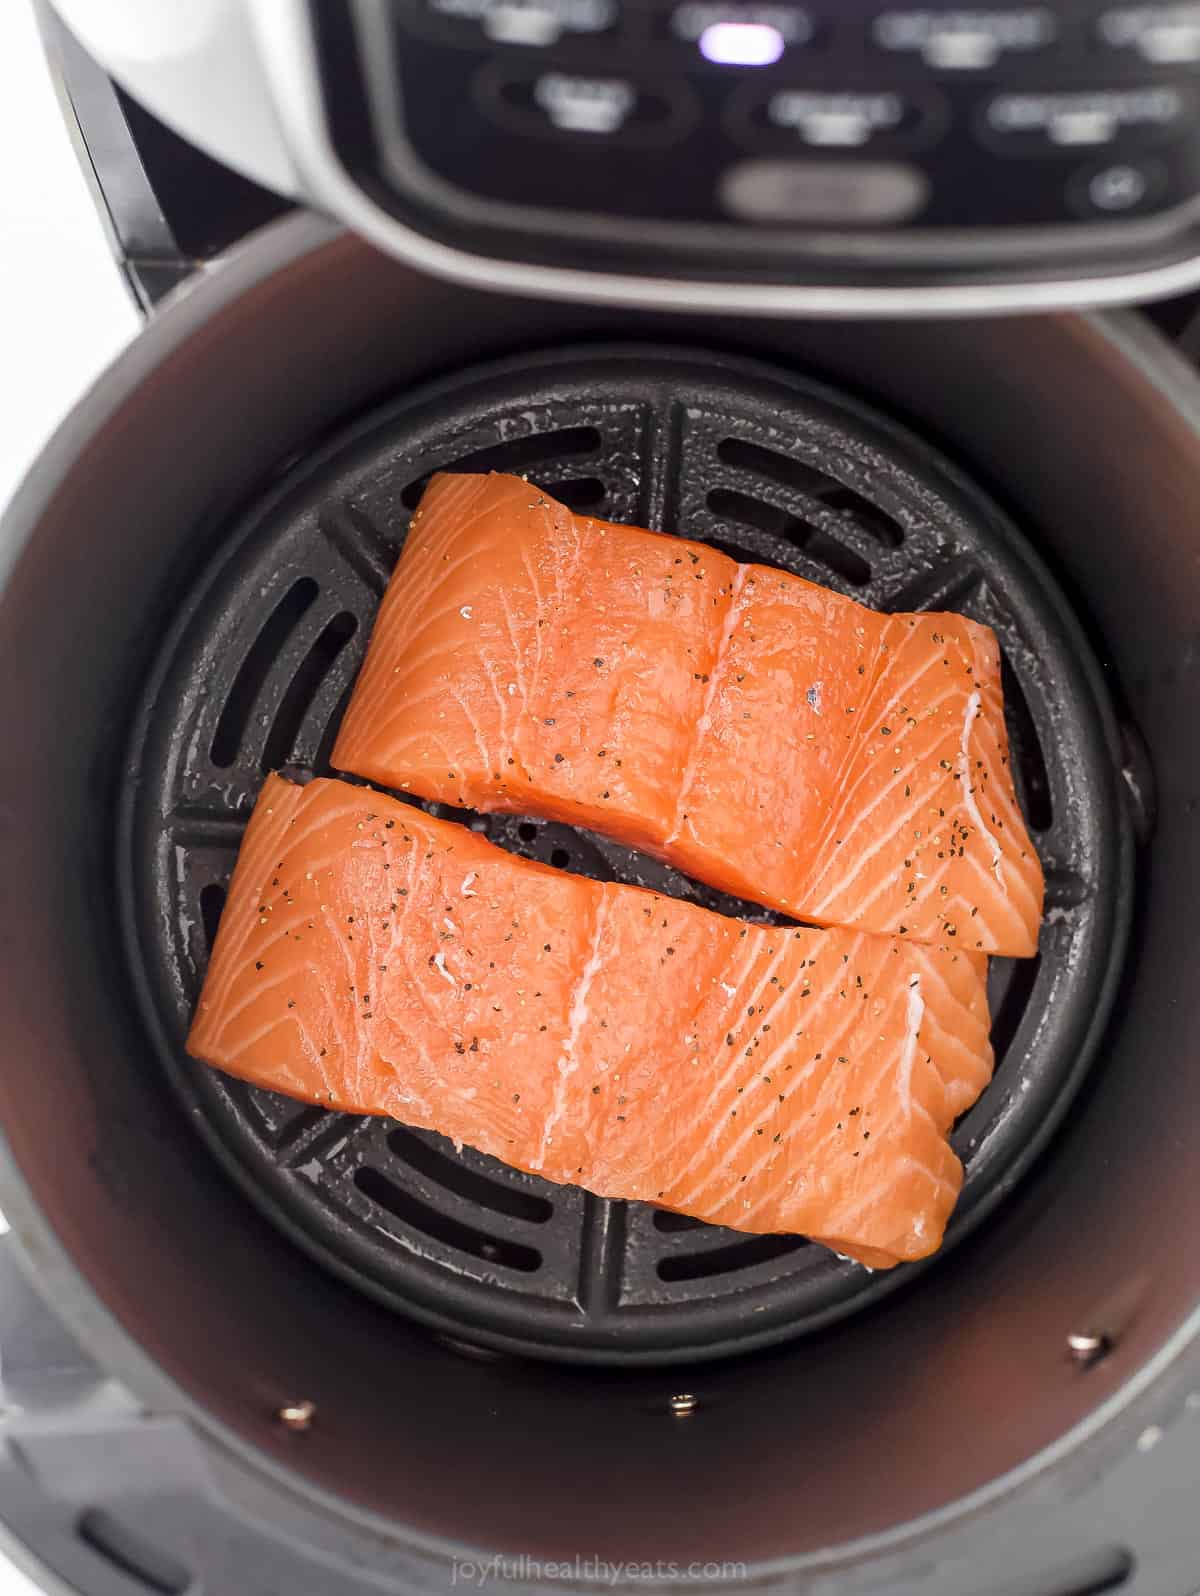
(1088, 1346)
(298, 1415)
(681, 1404)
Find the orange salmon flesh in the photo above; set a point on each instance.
(378, 961)
(761, 733)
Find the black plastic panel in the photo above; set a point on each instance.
(890, 145)
(642, 133)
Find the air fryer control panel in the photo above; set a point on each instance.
(732, 137)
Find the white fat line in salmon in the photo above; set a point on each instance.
(968, 786)
(704, 723)
(568, 1063)
(914, 1014)
(439, 964)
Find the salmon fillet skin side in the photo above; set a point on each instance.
(375, 960)
(759, 732)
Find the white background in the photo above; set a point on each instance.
(64, 307)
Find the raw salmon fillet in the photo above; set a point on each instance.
(380, 961)
(759, 732)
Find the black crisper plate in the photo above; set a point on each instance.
(255, 675)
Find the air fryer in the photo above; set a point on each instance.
(266, 1348)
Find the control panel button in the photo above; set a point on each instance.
(1037, 123)
(1122, 188)
(738, 33)
(1160, 34)
(829, 119)
(823, 193)
(592, 106)
(526, 22)
(965, 40)
(587, 105)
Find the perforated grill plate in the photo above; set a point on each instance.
(255, 675)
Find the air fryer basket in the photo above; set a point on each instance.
(944, 1435)
(255, 674)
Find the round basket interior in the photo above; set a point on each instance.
(254, 676)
